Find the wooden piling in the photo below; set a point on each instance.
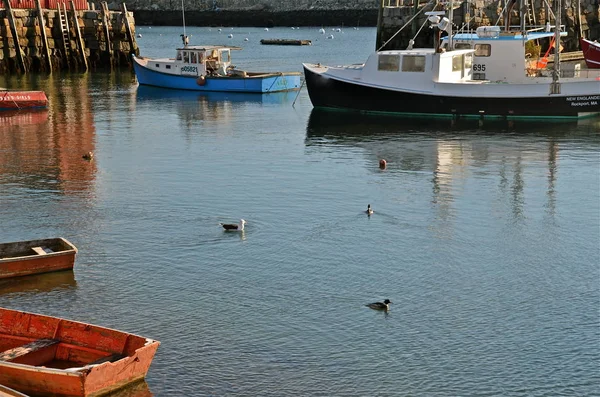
(105, 23)
(79, 39)
(45, 47)
(128, 31)
(13, 28)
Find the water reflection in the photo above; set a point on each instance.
(193, 106)
(139, 389)
(38, 283)
(43, 150)
(454, 150)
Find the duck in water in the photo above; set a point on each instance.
(369, 210)
(385, 305)
(233, 227)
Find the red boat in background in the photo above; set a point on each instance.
(14, 99)
(591, 53)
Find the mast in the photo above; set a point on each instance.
(451, 31)
(555, 86)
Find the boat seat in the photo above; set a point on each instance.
(30, 347)
(41, 250)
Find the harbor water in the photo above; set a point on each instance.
(485, 235)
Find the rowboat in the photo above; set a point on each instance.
(22, 258)
(14, 99)
(591, 53)
(51, 356)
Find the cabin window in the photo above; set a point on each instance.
(413, 63)
(157, 65)
(483, 50)
(225, 56)
(388, 63)
(179, 57)
(462, 46)
(186, 57)
(457, 63)
(168, 66)
(193, 57)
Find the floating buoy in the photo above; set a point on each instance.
(330, 36)
(139, 36)
(322, 31)
(382, 164)
(266, 29)
(246, 39)
(201, 80)
(230, 36)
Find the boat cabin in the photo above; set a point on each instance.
(502, 56)
(196, 61)
(413, 68)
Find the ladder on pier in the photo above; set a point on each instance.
(64, 29)
(529, 12)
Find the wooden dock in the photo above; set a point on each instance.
(285, 42)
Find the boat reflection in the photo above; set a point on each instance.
(347, 126)
(23, 117)
(139, 389)
(46, 282)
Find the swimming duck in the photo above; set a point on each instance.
(88, 156)
(233, 227)
(385, 305)
(369, 210)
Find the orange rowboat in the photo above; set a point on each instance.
(50, 356)
(23, 258)
(12, 99)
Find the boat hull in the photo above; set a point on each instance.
(72, 366)
(326, 92)
(591, 53)
(24, 258)
(12, 100)
(255, 83)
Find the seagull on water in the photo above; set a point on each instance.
(234, 227)
(385, 305)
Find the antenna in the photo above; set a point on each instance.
(183, 15)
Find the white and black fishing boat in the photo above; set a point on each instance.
(482, 73)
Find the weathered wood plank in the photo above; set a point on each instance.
(13, 353)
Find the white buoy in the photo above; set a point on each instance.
(246, 39)
(230, 36)
(322, 31)
(330, 36)
(139, 35)
(266, 29)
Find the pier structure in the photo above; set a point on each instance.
(71, 35)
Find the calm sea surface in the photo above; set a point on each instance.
(485, 237)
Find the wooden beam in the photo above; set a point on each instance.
(45, 46)
(79, 38)
(13, 28)
(128, 30)
(105, 24)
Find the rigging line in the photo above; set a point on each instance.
(502, 12)
(405, 25)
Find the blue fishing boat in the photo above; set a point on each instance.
(208, 68)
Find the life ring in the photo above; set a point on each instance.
(201, 80)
